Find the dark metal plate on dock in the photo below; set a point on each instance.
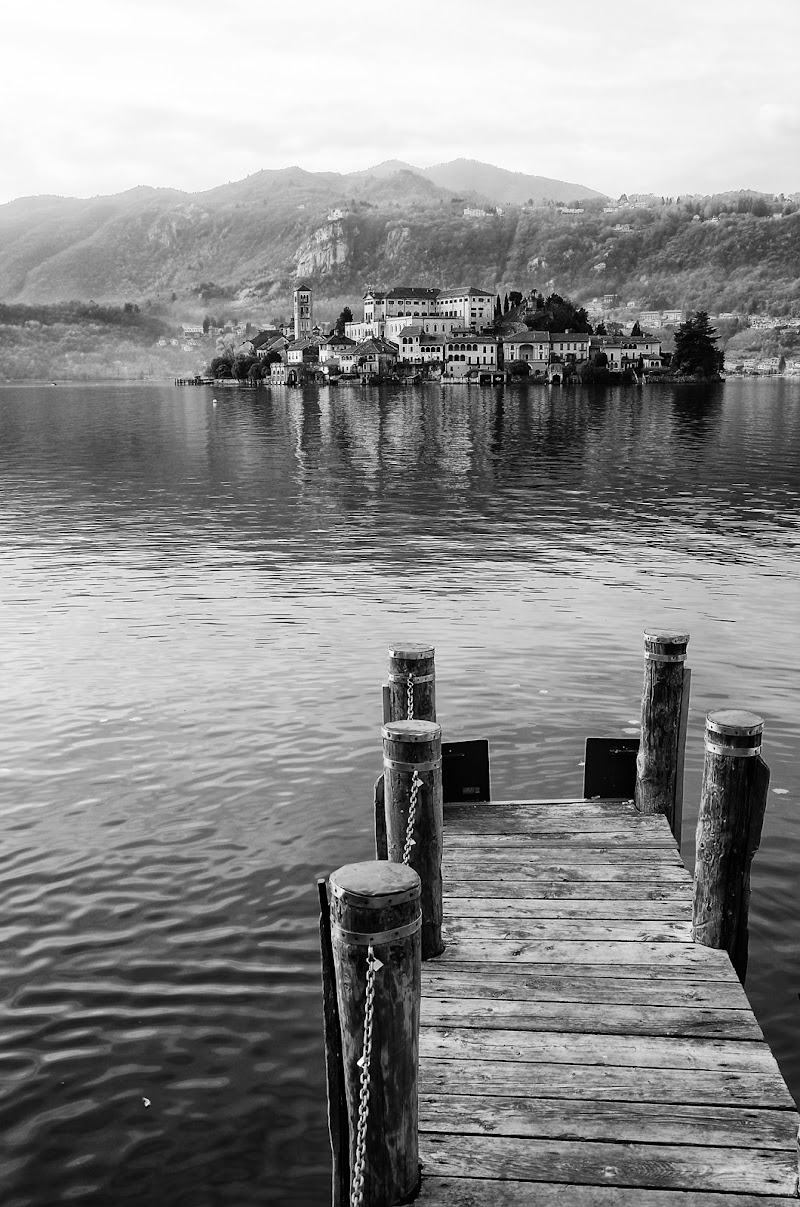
(610, 767)
(465, 771)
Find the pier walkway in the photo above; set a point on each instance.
(576, 1047)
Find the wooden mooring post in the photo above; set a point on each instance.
(665, 706)
(411, 691)
(732, 807)
(375, 923)
(413, 814)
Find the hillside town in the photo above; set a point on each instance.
(462, 334)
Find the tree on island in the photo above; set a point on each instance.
(345, 317)
(557, 314)
(696, 352)
(636, 330)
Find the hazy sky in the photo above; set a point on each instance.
(688, 96)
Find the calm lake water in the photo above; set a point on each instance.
(197, 603)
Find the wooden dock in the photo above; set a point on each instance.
(576, 1047)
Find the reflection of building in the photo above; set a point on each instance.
(303, 312)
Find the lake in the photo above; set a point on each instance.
(197, 603)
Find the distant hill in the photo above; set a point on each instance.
(501, 187)
(239, 249)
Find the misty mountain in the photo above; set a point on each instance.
(501, 187)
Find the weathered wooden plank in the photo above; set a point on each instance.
(512, 819)
(560, 865)
(545, 890)
(645, 1051)
(585, 1017)
(532, 951)
(536, 838)
(626, 907)
(470, 812)
(516, 820)
(572, 1035)
(445, 1191)
(595, 930)
(629, 1122)
(550, 1079)
(649, 971)
(509, 983)
(673, 1167)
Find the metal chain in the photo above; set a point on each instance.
(357, 1185)
(416, 784)
(410, 698)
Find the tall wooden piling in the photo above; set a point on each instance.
(665, 700)
(412, 771)
(337, 1106)
(375, 937)
(732, 807)
(412, 673)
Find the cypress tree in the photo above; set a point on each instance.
(696, 350)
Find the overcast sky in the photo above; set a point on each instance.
(690, 96)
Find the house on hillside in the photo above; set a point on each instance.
(335, 352)
(304, 351)
(375, 358)
(262, 344)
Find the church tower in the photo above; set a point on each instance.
(303, 312)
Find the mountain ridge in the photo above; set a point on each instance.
(248, 242)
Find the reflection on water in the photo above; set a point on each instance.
(197, 603)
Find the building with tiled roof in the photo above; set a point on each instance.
(465, 351)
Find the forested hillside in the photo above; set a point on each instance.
(248, 243)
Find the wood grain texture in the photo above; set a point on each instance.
(585, 1017)
(481, 1192)
(585, 952)
(659, 754)
(732, 807)
(530, 984)
(628, 1122)
(633, 1051)
(575, 1044)
(369, 898)
(595, 1163)
(625, 907)
(595, 930)
(575, 1081)
(410, 743)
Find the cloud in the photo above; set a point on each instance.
(618, 97)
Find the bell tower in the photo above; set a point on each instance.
(303, 312)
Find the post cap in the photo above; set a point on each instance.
(375, 883)
(665, 647)
(666, 638)
(733, 733)
(411, 653)
(734, 722)
(411, 731)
